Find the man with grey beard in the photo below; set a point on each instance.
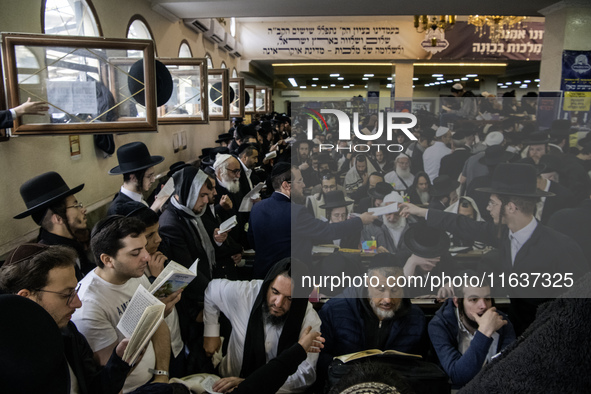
(373, 317)
(389, 232)
(227, 171)
(401, 178)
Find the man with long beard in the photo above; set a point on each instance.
(227, 170)
(401, 178)
(467, 331)
(266, 321)
(388, 234)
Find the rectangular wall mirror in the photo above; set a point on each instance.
(237, 101)
(218, 93)
(87, 86)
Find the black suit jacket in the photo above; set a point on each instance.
(5, 119)
(238, 232)
(563, 199)
(547, 251)
(119, 201)
(574, 222)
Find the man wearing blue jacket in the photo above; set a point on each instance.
(467, 331)
(376, 317)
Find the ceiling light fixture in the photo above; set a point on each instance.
(293, 82)
(497, 25)
(335, 75)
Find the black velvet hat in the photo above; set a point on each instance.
(44, 190)
(442, 186)
(515, 179)
(494, 155)
(381, 190)
(425, 241)
(537, 138)
(224, 137)
(209, 157)
(164, 85)
(134, 157)
(174, 167)
(335, 199)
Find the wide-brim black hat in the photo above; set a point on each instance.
(537, 138)
(44, 190)
(381, 190)
(136, 85)
(335, 199)
(134, 157)
(494, 155)
(442, 186)
(224, 137)
(179, 165)
(540, 168)
(425, 241)
(212, 153)
(515, 179)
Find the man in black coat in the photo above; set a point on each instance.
(574, 222)
(45, 275)
(452, 164)
(526, 246)
(53, 206)
(137, 167)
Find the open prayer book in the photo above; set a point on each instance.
(372, 352)
(172, 278)
(228, 225)
(139, 322)
(246, 204)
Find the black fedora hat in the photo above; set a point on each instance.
(442, 186)
(134, 157)
(210, 158)
(560, 129)
(135, 83)
(540, 168)
(381, 190)
(44, 190)
(425, 241)
(174, 167)
(224, 137)
(494, 155)
(33, 357)
(335, 199)
(515, 179)
(537, 138)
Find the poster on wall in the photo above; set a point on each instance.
(521, 42)
(576, 84)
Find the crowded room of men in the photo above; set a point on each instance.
(246, 196)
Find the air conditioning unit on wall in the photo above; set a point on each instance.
(229, 43)
(238, 50)
(211, 29)
(289, 93)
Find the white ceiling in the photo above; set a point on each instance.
(282, 8)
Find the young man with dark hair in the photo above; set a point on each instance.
(137, 167)
(119, 246)
(467, 331)
(53, 206)
(45, 275)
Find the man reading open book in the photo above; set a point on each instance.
(119, 247)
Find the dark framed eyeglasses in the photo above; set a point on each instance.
(235, 172)
(70, 296)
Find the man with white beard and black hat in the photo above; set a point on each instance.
(401, 178)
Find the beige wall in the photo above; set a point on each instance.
(25, 157)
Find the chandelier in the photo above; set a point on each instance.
(434, 22)
(496, 23)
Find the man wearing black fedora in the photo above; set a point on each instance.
(525, 246)
(375, 196)
(137, 167)
(336, 208)
(224, 139)
(443, 192)
(537, 145)
(53, 206)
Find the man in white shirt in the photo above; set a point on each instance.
(265, 321)
(119, 247)
(434, 153)
(401, 178)
(137, 167)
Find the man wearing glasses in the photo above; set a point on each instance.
(53, 206)
(45, 275)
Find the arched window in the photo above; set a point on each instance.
(185, 50)
(234, 73)
(70, 18)
(138, 29)
(209, 61)
(223, 65)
